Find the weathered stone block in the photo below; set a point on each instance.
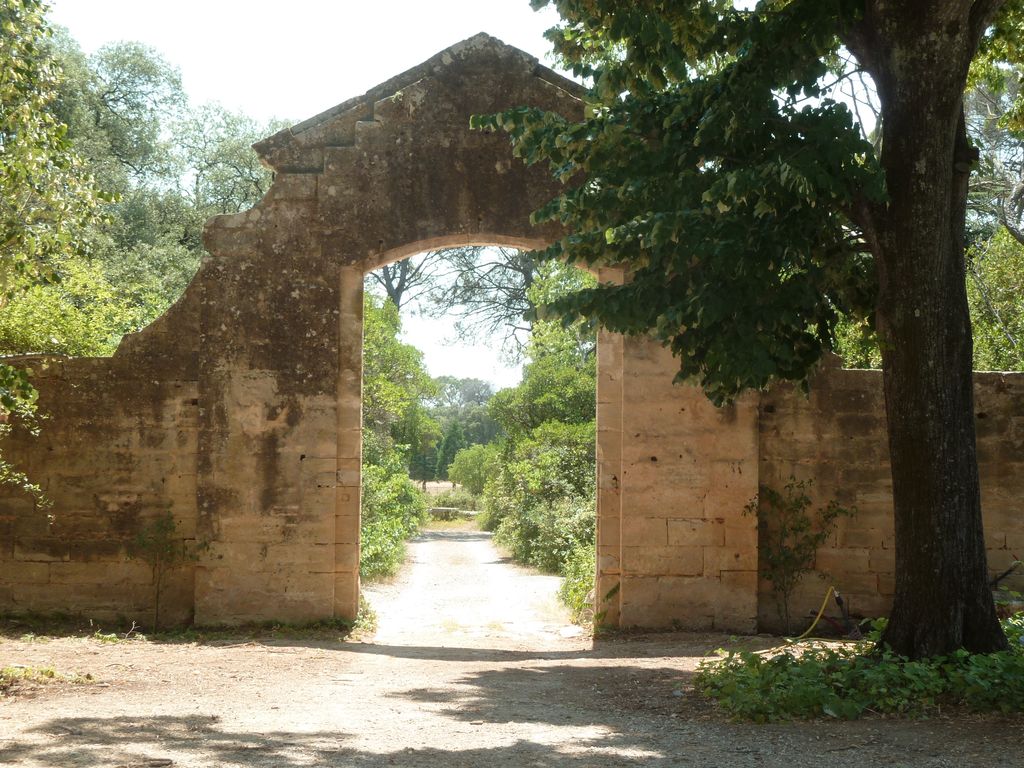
(346, 529)
(608, 532)
(697, 532)
(20, 572)
(644, 531)
(741, 537)
(346, 557)
(860, 538)
(720, 559)
(838, 561)
(648, 560)
(886, 584)
(880, 561)
(346, 595)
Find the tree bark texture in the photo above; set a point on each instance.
(919, 57)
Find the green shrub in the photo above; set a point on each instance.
(472, 467)
(545, 535)
(579, 569)
(393, 509)
(539, 497)
(555, 462)
(844, 682)
(1014, 629)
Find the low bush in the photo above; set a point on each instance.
(555, 462)
(541, 503)
(845, 682)
(546, 535)
(579, 569)
(393, 510)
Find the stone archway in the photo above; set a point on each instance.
(239, 411)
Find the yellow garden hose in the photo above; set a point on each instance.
(821, 611)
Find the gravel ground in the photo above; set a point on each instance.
(473, 664)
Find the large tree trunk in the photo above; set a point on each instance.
(919, 60)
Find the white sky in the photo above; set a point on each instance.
(294, 59)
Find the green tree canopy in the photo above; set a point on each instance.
(451, 443)
(724, 193)
(472, 467)
(559, 378)
(465, 400)
(47, 199)
(168, 168)
(394, 379)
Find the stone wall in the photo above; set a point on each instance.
(675, 474)
(836, 437)
(115, 453)
(238, 411)
(675, 548)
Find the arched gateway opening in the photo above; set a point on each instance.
(238, 411)
(350, 433)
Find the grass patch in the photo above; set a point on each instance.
(456, 498)
(41, 628)
(847, 681)
(14, 676)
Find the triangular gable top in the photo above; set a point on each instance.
(288, 149)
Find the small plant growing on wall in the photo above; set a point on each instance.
(157, 545)
(789, 536)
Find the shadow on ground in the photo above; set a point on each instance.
(544, 717)
(167, 741)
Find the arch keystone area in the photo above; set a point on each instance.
(238, 411)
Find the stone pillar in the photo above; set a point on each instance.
(607, 595)
(350, 443)
(688, 554)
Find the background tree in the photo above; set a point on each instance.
(472, 467)
(995, 222)
(995, 290)
(417, 431)
(47, 199)
(222, 172)
(718, 165)
(465, 401)
(121, 106)
(451, 443)
(483, 287)
(394, 379)
(408, 279)
(118, 104)
(395, 384)
(487, 290)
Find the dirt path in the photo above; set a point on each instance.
(457, 589)
(473, 665)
